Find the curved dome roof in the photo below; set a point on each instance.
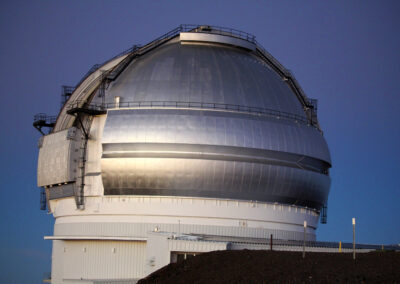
(205, 73)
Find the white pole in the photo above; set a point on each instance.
(304, 239)
(354, 237)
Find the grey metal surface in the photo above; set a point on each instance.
(212, 178)
(61, 191)
(214, 154)
(213, 128)
(205, 73)
(211, 153)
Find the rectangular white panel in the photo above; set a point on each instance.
(91, 260)
(58, 157)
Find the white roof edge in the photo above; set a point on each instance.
(106, 238)
(215, 38)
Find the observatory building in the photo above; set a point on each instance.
(193, 142)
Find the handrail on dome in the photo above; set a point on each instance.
(41, 120)
(101, 108)
(219, 31)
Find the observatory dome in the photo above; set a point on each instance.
(209, 151)
(200, 131)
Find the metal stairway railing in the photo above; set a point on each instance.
(41, 120)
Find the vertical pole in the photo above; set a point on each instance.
(304, 239)
(340, 246)
(354, 238)
(270, 242)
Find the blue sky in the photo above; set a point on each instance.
(343, 53)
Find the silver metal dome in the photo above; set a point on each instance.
(199, 132)
(198, 112)
(176, 132)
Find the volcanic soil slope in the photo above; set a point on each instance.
(248, 266)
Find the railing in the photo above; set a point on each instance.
(289, 243)
(324, 214)
(278, 242)
(275, 62)
(198, 105)
(91, 70)
(121, 66)
(66, 92)
(82, 104)
(219, 31)
(314, 104)
(41, 120)
(137, 48)
(44, 118)
(97, 66)
(43, 199)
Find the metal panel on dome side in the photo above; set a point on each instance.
(214, 179)
(182, 126)
(188, 170)
(58, 157)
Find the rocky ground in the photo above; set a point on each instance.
(248, 266)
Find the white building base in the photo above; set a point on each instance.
(120, 239)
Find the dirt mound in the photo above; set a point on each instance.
(248, 266)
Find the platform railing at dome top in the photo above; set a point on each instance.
(219, 31)
(194, 105)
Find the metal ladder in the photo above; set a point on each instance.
(80, 179)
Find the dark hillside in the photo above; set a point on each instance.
(281, 267)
